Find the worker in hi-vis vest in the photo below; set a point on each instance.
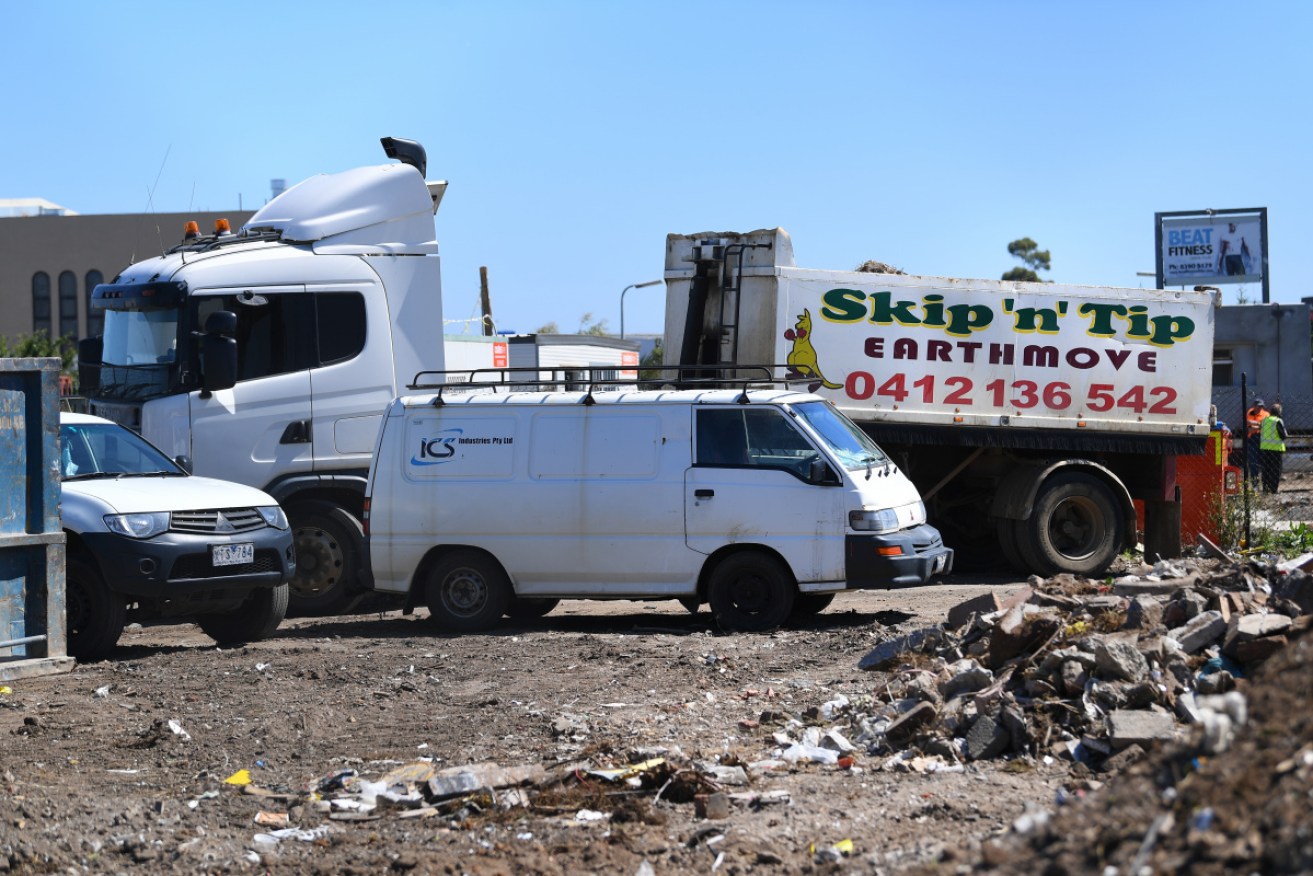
(1272, 448)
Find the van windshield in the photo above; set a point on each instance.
(852, 447)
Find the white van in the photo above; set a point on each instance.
(761, 502)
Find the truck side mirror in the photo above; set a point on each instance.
(91, 352)
(219, 352)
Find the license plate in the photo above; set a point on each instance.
(232, 554)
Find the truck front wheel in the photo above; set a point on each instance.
(466, 592)
(94, 615)
(1074, 527)
(751, 592)
(329, 544)
(255, 619)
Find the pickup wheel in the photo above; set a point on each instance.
(1075, 527)
(529, 607)
(255, 619)
(751, 592)
(691, 603)
(467, 592)
(810, 604)
(329, 545)
(94, 615)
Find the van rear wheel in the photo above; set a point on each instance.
(810, 604)
(530, 607)
(751, 592)
(466, 592)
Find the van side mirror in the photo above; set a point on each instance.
(820, 473)
(219, 351)
(91, 353)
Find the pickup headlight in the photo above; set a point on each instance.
(884, 520)
(273, 516)
(138, 525)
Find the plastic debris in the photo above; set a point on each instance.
(241, 777)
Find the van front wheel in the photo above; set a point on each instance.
(751, 592)
(466, 592)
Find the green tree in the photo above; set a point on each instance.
(1034, 259)
(40, 345)
(587, 326)
(651, 362)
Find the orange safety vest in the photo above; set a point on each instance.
(1255, 420)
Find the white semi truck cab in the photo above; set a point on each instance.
(267, 356)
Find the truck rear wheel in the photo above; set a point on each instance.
(466, 592)
(94, 615)
(1006, 530)
(329, 544)
(1075, 526)
(255, 619)
(751, 592)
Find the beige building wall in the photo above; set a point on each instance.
(82, 250)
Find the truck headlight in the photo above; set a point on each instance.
(884, 520)
(273, 516)
(138, 525)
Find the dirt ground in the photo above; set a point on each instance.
(96, 778)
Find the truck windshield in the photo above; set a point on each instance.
(140, 352)
(852, 447)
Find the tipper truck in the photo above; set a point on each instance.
(1032, 417)
(268, 356)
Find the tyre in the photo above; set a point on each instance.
(1075, 527)
(811, 604)
(529, 607)
(691, 603)
(467, 592)
(1007, 542)
(94, 615)
(751, 592)
(257, 617)
(329, 545)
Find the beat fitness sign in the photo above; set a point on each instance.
(1211, 247)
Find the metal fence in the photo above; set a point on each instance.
(1244, 499)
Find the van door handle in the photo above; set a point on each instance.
(297, 432)
(703, 494)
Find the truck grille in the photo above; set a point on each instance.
(199, 566)
(228, 520)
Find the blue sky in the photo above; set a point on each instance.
(576, 135)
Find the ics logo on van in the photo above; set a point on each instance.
(437, 450)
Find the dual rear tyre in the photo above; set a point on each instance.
(1075, 526)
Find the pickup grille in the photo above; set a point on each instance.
(224, 522)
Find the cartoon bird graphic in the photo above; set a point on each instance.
(802, 358)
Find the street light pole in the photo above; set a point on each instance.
(622, 302)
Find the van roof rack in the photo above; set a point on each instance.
(530, 378)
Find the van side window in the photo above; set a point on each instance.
(752, 436)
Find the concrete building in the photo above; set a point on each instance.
(1270, 345)
(51, 258)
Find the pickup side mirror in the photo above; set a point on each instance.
(183, 461)
(91, 352)
(219, 352)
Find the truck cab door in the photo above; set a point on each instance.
(750, 484)
(259, 429)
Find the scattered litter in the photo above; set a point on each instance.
(241, 777)
(101, 692)
(177, 729)
(589, 815)
(271, 819)
(273, 837)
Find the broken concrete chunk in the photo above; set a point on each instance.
(959, 614)
(887, 653)
(1141, 727)
(1074, 678)
(1185, 605)
(987, 738)
(1200, 631)
(1257, 650)
(1144, 613)
(910, 723)
(1246, 628)
(965, 676)
(1131, 587)
(1118, 659)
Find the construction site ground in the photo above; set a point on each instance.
(135, 764)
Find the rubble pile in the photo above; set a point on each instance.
(1089, 671)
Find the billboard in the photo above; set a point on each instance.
(1212, 247)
